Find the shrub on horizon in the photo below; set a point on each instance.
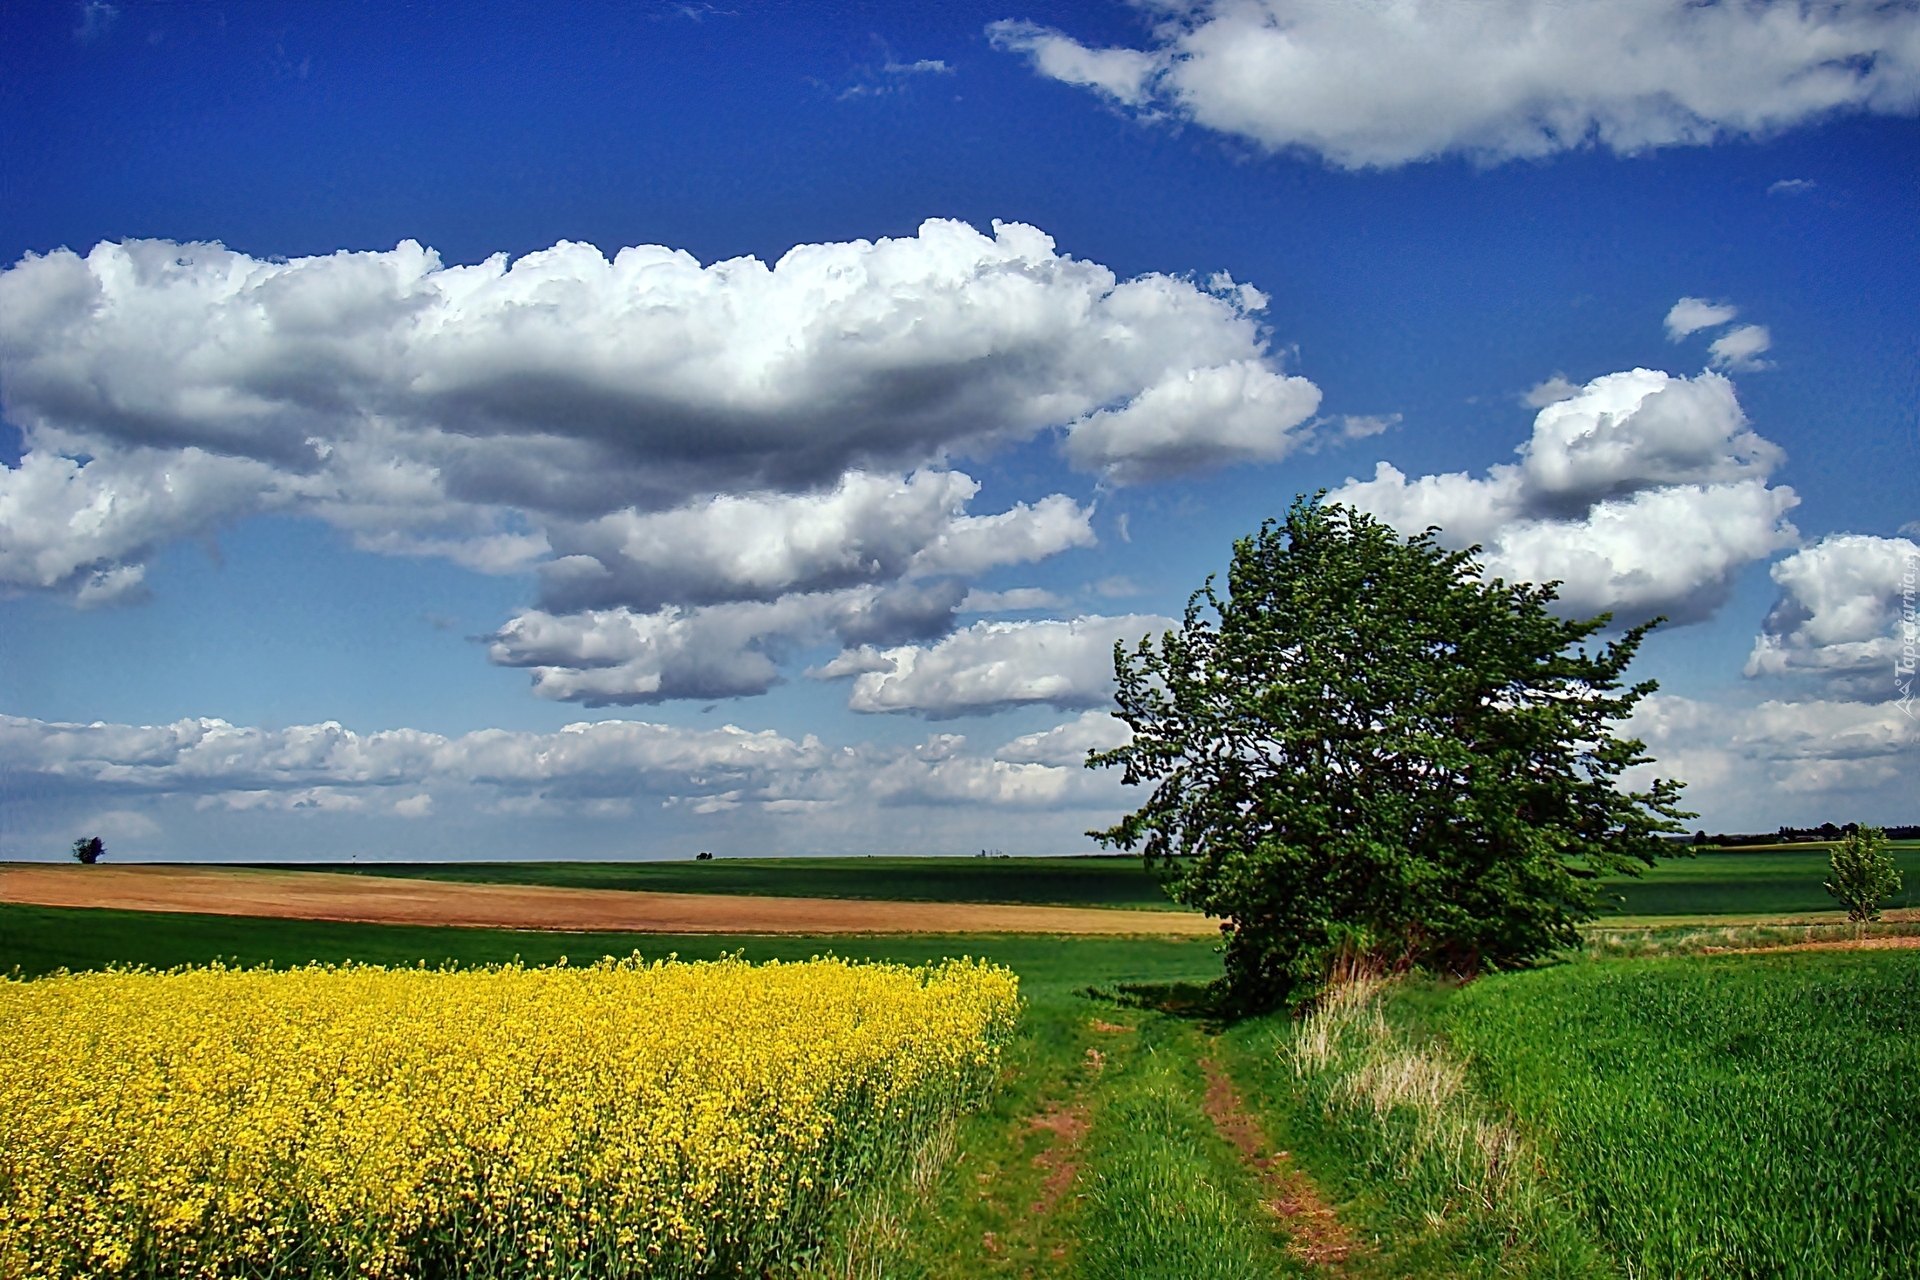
(1863, 873)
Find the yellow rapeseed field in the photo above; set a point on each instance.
(627, 1118)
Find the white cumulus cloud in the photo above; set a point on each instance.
(1124, 75)
(991, 666)
(1068, 744)
(1238, 412)
(414, 806)
(1643, 493)
(1012, 600)
(1843, 620)
(248, 767)
(1740, 348)
(88, 525)
(1690, 315)
(622, 656)
(1379, 83)
(1549, 391)
(760, 546)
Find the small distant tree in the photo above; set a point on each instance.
(1368, 754)
(88, 849)
(1863, 873)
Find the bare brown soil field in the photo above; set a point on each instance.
(1897, 942)
(306, 895)
(1781, 919)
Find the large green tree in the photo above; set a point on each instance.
(1365, 752)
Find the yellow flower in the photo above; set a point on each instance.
(626, 1118)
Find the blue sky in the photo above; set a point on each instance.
(760, 533)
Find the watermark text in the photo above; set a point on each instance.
(1904, 661)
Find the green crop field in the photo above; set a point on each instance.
(1080, 881)
(1765, 881)
(1770, 880)
(39, 940)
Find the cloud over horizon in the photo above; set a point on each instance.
(694, 781)
(1781, 761)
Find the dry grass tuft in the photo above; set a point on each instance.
(1419, 1093)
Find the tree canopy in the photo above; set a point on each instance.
(1366, 752)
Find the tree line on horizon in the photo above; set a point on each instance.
(1825, 833)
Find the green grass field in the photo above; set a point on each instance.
(1770, 880)
(1081, 882)
(1749, 1116)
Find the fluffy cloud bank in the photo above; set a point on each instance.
(1754, 768)
(214, 758)
(611, 769)
(1643, 493)
(1378, 83)
(705, 601)
(1069, 743)
(202, 788)
(489, 411)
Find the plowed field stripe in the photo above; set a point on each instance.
(307, 895)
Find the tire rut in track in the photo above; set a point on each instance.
(1060, 1162)
(1317, 1236)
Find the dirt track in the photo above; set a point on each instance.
(307, 895)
